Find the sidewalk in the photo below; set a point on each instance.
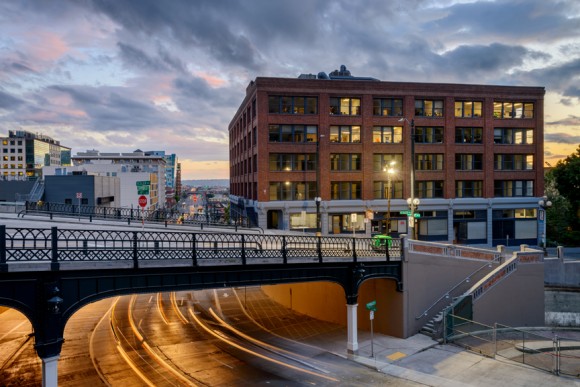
(422, 360)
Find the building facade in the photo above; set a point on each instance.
(23, 154)
(477, 151)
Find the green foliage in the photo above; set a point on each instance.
(563, 189)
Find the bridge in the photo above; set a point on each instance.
(49, 273)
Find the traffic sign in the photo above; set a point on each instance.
(372, 306)
(143, 183)
(143, 201)
(143, 190)
(405, 212)
(79, 195)
(416, 215)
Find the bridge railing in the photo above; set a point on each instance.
(55, 246)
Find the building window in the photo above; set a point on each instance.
(429, 189)
(345, 162)
(345, 190)
(293, 133)
(292, 162)
(428, 108)
(513, 136)
(292, 105)
(345, 106)
(429, 162)
(469, 189)
(292, 190)
(388, 134)
(380, 189)
(513, 162)
(345, 134)
(389, 107)
(468, 135)
(513, 188)
(381, 160)
(468, 108)
(513, 110)
(429, 135)
(469, 162)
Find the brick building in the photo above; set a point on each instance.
(478, 158)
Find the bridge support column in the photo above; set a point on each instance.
(50, 371)
(352, 328)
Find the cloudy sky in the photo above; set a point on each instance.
(118, 75)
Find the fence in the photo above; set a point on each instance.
(538, 347)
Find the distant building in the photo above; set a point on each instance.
(23, 154)
(90, 190)
(129, 167)
(478, 157)
(178, 180)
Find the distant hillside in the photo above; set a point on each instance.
(209, 183)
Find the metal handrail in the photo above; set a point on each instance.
(450, 291)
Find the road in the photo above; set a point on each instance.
(186, 338)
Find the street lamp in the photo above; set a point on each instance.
(413, 202)
(544, 204)
(390, 170)
(318, 199)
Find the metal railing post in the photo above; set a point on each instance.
(194, 251)
(3, 264)
(135, 255)
(354, 256)
(243, 250)
(494, 339)
(54, 265)
(284, 250)
(319, 248)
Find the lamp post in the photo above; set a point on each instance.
(544, 204)
(390, 170)
(318, 199)
(413, 202)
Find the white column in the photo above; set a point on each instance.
(352, 328)
(49, 371)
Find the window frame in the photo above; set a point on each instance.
(383, 132)
(424, 132)
(469, 162)
(429, 108)
(341, 132)
(337, 106)
(392, 105)
(291, 105)
(345, 162)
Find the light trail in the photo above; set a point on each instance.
(92, 345)
(160, 308)
(180, 315)
(224, 338)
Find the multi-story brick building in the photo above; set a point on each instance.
(478, 157)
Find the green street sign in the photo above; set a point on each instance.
(416, 215)
(405, 212)
(372, 306)
(143, 190)
(145, 183)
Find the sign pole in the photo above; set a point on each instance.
(372, 317)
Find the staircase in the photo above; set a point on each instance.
(37, 191)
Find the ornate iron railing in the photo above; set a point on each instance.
(55, 246)
(127, 214)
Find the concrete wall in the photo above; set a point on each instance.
(9, 189)
(517, 300)
(561, 273)
(428, 277)
(327, 301)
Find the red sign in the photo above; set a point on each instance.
(143, 201)
(194, 198)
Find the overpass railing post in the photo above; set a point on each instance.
(243, 250)
(135, 254)
(3, 264)
(284, 250)
(194, 251)
(319, 248)
(54, 265)
(354, 257)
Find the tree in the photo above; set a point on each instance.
(566, 177)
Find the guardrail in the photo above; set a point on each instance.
(167, 216)
(56, 246)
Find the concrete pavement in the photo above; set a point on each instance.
(422, 360)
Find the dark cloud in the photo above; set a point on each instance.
(136, 57)
(562, 138)
(561, 77)
(483, 59)
(8, 101)
(568, 121)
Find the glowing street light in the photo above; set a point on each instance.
(413, 202)
(544, 204)
(390, 171)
